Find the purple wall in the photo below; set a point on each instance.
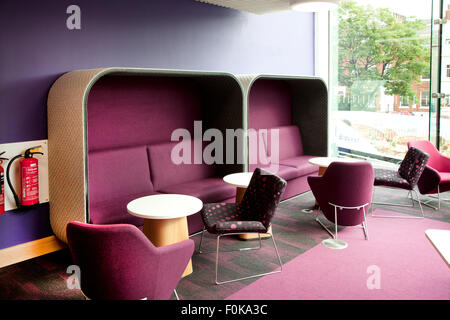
(36, 48)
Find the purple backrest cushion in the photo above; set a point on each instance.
(258, 154)
(114, 174)
(289, 142)
(265, 143)
(166, 172)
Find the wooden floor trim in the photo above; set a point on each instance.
(29, 250)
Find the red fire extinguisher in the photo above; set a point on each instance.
(29, 177)
(2, 185)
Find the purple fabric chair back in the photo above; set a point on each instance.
(262, 197)
(412, 166)
(344, 184)
(119, 262)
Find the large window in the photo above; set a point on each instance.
(425, 99)
(379, 76)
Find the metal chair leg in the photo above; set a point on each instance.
(438, 197)
(199, 250)
(334, 235)
(248, 277)
(403, 217)
(334, 243)
(364, 224)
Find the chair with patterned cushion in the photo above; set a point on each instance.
(118, 262)
(435, 179)
(253, 215)
(406, 177)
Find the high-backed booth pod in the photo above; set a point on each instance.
(287, 125)
(112, 132)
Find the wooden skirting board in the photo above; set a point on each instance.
(29, 250)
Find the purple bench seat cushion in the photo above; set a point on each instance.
(166, 173)
(301, 163)
(115, 177)
(285, 172)
(208, 190)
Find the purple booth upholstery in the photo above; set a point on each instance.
(252, 215)
(436, 175)
(285, 158)
(344, 185)
(130, 122)
(118, 262)
(115, 178)
(198, 180)
(407, 175)
(297, 109)
(119, 176)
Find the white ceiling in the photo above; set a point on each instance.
(253, 6)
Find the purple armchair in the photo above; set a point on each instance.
(252, 215)
(343, 193)
(118, 262)
(435, 179)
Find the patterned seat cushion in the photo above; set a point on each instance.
(390, 178)
(220, 218)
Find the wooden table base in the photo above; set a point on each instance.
(239, 196)
(163, 232)
(321, 172)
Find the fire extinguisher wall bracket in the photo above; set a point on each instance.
(29, 177)
(2, 184)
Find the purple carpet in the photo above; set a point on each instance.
(396, 263)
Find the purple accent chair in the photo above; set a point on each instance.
(252, 215)
(436, 175)
(118, 262)
(343, 192)
(406, 177)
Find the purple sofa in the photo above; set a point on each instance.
(296, 108)
(130, 120)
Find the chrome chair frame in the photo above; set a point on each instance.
(241, 249)
(410, 194)
(438, 197)
(364, 224)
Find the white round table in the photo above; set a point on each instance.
(164, 217)
(241, 180)
(324, 162)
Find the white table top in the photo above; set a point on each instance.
(441, 242)
(326, 161)
(239, 180)
(164, 206)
